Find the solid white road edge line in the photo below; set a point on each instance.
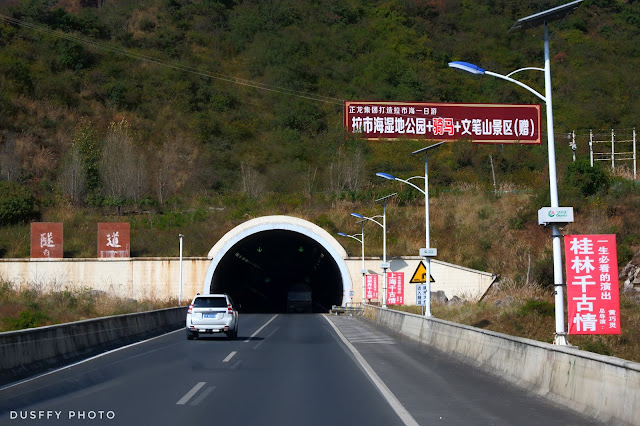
(190, 394)
(87, 360)
(228, 358)
(397, 406)
(260, 329)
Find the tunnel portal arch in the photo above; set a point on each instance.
(258, 262)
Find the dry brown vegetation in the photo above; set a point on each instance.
(34, 306)
(528, 311)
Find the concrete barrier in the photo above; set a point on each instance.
(602, 387)
(27, 352)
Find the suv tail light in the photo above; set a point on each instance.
(229, 309)
(190, 311)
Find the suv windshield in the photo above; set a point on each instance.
(210, 302)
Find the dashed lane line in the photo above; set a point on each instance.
(190, 394)
(228, 358)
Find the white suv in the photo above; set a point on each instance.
(212, 313)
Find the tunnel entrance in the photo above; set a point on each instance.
(279, 264)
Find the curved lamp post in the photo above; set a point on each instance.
(427, 252)
(542, 18)
(361, 241)
(384, 264)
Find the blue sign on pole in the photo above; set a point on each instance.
(421, 295)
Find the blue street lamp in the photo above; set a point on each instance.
(426, 214)
(542, 18)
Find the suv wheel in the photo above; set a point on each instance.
(191, 336)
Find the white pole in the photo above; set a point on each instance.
(180, 290)
(384, 253)
(613, 152)
(591, 146)
(427, 311)
(364, 271)
(634, 153)
(560, 335)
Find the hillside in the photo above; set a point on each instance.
(191, 116)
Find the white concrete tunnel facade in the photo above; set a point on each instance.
(285, 223)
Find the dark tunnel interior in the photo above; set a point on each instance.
(265, 271)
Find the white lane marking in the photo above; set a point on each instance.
(89, 359)
(397, 406)
(203, 395)
(228, 358)
(260, 329)
(268, 335)
(190, 394)
(360, 333)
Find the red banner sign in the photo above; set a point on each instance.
(482, 123)
(46, 240)
(113, 239)
(395, 288)
(592, 284)
(371, 290)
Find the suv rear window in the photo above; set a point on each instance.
(210, 302)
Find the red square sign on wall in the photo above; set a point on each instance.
(113, 239)
(46, 240)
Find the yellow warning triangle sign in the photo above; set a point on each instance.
(419, 276)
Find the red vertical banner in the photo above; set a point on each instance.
(46, 240)
(371, 290)
(113, 239)
(592, 284)
(395, 288)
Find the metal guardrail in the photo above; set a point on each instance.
(347, 310)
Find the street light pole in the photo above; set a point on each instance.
(361, 241)
(384, 265)
(560, 334)
(426, 214)
(543, 18)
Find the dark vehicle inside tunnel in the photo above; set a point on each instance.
(260, 271)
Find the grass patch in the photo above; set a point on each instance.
(30, 307)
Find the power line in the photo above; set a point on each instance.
(162, 62)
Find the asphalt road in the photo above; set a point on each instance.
(282, 370)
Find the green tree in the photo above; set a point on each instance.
(85, 138)
(17, 203)
(587, 179)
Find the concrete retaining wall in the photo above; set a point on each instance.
(27, 352)
(602, 387)
(159, 278)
